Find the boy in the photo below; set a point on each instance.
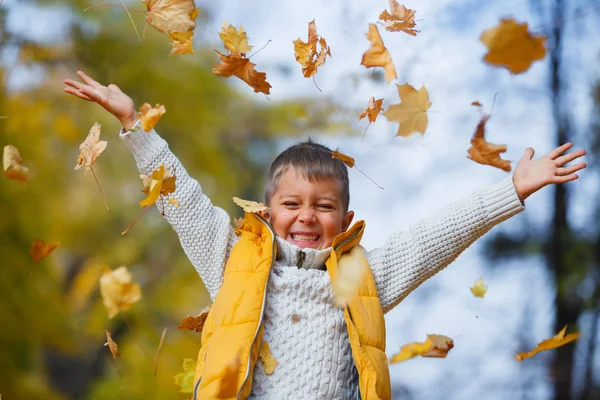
(274, 282)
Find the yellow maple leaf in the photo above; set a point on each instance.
(91, 148)
(182, 43)
(241, 67)
(235, 41)
(250, 206)
(399, 19)
(112, 346)
(411, 113)
(228, 385)
(41, 249)
(161, 182)
(548, 344)
(185, 379)
(349, 161)
(195, 323)
(351, 272)
(269, 362)
(440, 346)
(149, 115)
(436, 346)
(306, 53)
(512, 46)
(486, 153)
(372, 110)
(479, 289)
(169, 16)
(377, 55)
(119, 292)
(12, 163)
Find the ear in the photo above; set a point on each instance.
(265, 214)
(347, 220)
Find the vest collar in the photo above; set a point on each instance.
(290, 255)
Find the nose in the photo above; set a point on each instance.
(307, 216)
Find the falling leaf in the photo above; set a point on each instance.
(511, 46)
(161, 182)
(436, 346)
(411, 113)
(351, 272)
(13, 169)
(479, 289)
(234, 41)
(112, 346)
(476, 104)
(185, 379)
(182, 43)
(548, 344)
(306, 53)
(40, 250)
(91, 148)
(173, 201)
(150, 115)
(377, 55)
(169, 16)
(118, 291)
(269, 362)
(243, 68)
(373, 110)
(349, 161)
(238, 222)
(399, 19)
(228, 386)
(486, 153)
(250, 206)
(195, 323)
(160, 345)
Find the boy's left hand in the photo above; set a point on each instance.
(532, 175)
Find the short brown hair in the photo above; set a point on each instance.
(315, 162)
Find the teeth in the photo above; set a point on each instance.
(305, 238)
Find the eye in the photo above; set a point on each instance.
(325, 206)
(290, 204)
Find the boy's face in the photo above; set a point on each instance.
(308, 214)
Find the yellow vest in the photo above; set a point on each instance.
(234, 329)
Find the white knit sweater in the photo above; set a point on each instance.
(306, 333)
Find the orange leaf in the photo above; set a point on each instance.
(182, 43)
(241, 67)
(511, 46)
(411, 113)
(373, 110)
(169, 16)
(476, 104)
(306, 53)
(440, 346)
(377, 55)
(269, 362)
(349, 161)
(13, 169)
(40, 250)
(195, 323)
(548, 344)
(150, 115)
(118, 291)
(399, 19)
(91, 148)
(436, 346)
(161, 182)
(112, 346)
(486, 153)
(234, 41)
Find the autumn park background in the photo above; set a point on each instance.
(542, 267)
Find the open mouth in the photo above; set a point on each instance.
(303, 237)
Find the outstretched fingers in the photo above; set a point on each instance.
(77, 93)
(571, 169)
(559, 150)
(567, 158)
(89, 80)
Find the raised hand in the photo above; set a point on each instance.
(110, 97)
(532, 175)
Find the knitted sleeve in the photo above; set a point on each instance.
(205, 231)
(408, 259)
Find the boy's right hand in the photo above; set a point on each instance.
(110, 97)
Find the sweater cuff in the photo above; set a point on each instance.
(501, 200)
(141, 142)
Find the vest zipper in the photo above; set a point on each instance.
(301, 258)
(262, 310)
(199, 379)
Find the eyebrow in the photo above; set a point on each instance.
(334, 199)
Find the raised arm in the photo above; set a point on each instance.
(205, 231)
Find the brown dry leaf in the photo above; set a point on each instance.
(149, 115)
(349, 161)
(118, 291)
(512, 46)
(548, 344)
(306, 53)
(91, 148)
(440, 346)
(11, 161)
(411, 113)
(241, 67)
(114, 349)
(269, 362)
(436, 346)
(40, 250)
(168, 16)
(486, 153)
(161, 182)
(296, 318)
(195, 323)
(235, 41)
(373, 110)
(479, 289)
(476, 104)
(250, 206)
(377, 55)
(399, 19)
(182, 43)
(228, 387)
(351, 272)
